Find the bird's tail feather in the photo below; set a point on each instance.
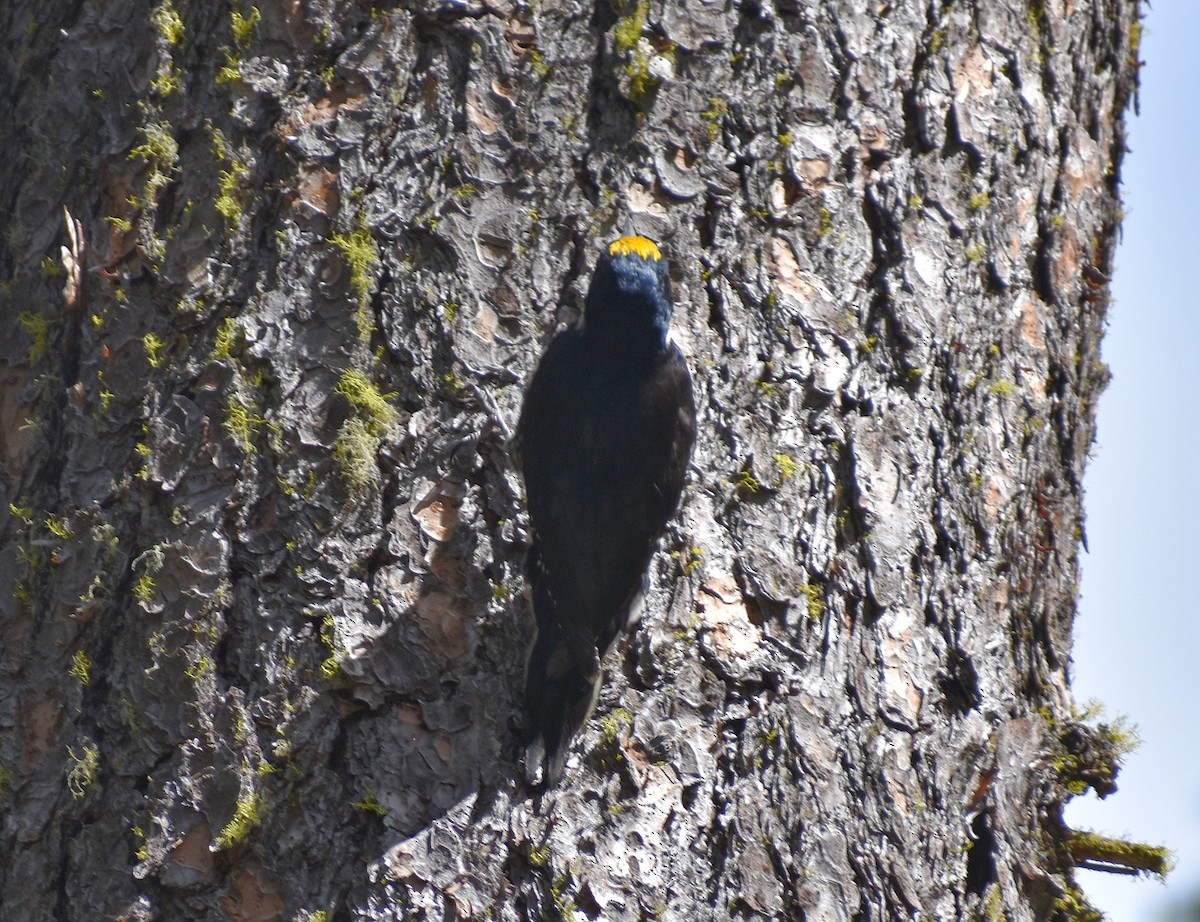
(559, 695)
(555, 709)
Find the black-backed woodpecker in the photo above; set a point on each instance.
(604, 439)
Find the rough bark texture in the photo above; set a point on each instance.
(263, 648)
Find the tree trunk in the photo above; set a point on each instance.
(264, 647)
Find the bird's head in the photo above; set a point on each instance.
(630, 290)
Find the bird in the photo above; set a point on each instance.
(603, 442)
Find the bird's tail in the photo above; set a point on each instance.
(559, 694)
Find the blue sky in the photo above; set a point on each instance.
(1137, 638)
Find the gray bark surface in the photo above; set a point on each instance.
(264, 644)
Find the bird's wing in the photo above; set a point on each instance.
(603, 450)
(547, 398)
(668, 395)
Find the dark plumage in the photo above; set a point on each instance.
(604, 439)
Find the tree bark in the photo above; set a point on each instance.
(264, 646)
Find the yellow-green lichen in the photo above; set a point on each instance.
(629, 28)
(367, 400)
(563, 904)
(1135, 40)
(815, 604)
(1092, 850)
(785, 467)
(246, 816)
(151, 562)
(717, 108)
(167, 23)
(331, 666)
(229, 338)
(81, 667)
(38, 330)
(693, 560)
(613, 722)
(30, 558)
(199, 669)
(747, 483)
(241, 423)
(354, 451)
(1002, 388)
(230, 71)
(227, 202)
(979, 201)
(83, 771)
(154, 347)
(242, 27)
(369, 804)
(143, 588)
(22, 511)
(23, 598)
(538, 63)
(160, 151)
(1073, 906)
(825, 219)
(168, 81)
(58, 526)
(641, 81)
(361, 255)
(357, 441)
(1088, 750)
(1035, 14)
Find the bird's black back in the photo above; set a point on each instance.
(604, 444)
(604, 440)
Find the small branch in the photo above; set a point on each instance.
(1118, 856)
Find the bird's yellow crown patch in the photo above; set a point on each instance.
(635, 246)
